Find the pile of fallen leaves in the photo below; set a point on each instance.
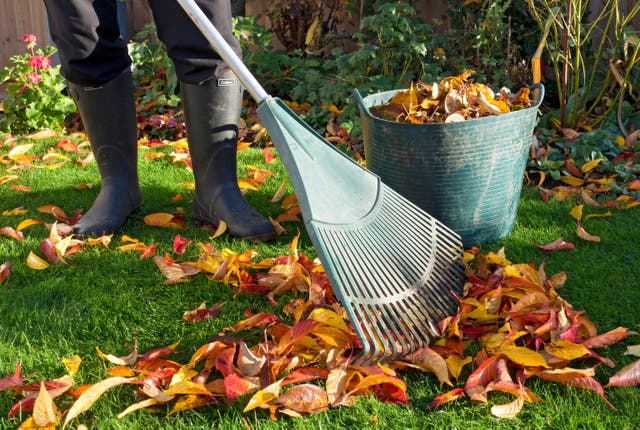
(510, 313)
(453, 99)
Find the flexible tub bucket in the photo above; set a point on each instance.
(467, 174)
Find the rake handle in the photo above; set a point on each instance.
(224, 50)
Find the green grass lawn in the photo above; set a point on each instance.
(104, 298)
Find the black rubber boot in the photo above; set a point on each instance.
(109, 117)
(212, 112)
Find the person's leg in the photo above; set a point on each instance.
(95, 62)
(212, 99)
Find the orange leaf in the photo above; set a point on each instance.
(165, 220)
(45, 412)
(307, 398)
(447, 397)
(10, 232)
(306, 374)
(54, 210)
(606, 339)
(429, 360)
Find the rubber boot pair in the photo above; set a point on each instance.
(212, 113)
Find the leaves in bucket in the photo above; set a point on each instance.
(455, 98)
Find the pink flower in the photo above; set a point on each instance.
(30, 39)
(34, 78)
(39, 62)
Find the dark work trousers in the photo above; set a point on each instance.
(92, 52)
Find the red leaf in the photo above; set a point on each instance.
(12, 380)
(557, 245)
(24, 406)
(390, 393)
(5, 270)
(149, 251)
(236, 386)
(202, 313)
(627, 376)
(294, 334)
(180, 244)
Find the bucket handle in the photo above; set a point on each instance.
(537, 90)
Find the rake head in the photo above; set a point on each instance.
(395, 273)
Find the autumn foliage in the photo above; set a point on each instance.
(510, 313)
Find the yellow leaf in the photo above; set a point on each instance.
(566, 350)
(20, 150)
(264, 396)
(509, 410)
(602, 181)
(222, 227)
(72, 364)
(137, 406)
(572, 180)
(45, 412)
(9, 178)
(601, 215)
(328, 317)
(92, 394)
(586, 167)
(455, 363)
(27, 223)
(576, 212)
(35, 262)
(524, 356)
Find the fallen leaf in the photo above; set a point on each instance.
(627, 376)
(633, 350)
(447, 397)
(557, 245)
(35, 262)
(5, 271)
(306, 398)
(164, 220)
(582, 234)
(264, 396)
(92, 394)
(508, 410)
(45, 412)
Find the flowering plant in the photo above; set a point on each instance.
(34, 91)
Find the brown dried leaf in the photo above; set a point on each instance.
(306, 398)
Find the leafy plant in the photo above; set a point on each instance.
(34, 88)
(306, 24)
(588, 55)
(494, 38)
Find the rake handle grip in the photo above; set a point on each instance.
(224, 50)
